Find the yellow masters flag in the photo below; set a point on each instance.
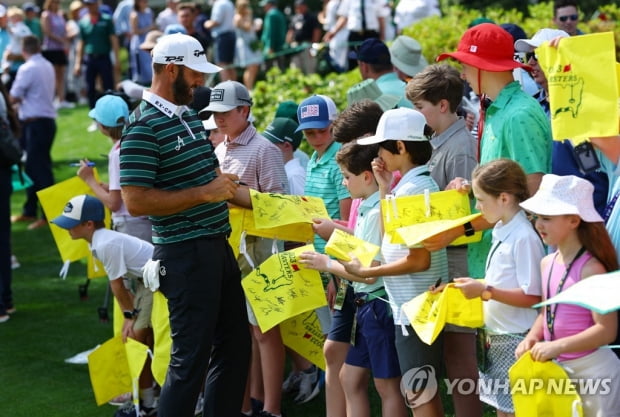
(429, 312)
(542, 389)
(282, 287)
(114, 366)
(583, 90)
(421, 208)
(53, 200)
(342, 244)
(416, 233)
(304, 335)
(273, 210)
(161, 333)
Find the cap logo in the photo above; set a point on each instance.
(311, 110)
(174, 58)
(197, 53)
(473, 49)
(68, 208)
(217, 94)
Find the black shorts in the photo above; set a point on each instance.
(56, 56)
(225, 48)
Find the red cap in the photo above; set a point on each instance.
(488, 47)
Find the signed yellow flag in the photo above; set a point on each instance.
(342, 244)
(273, 210)
(416, 233)
(422, 208)
(282, 287)
(304, 335)
(243, 220)
(53, 200)
(583, 90)
(542, 389)
(429, 312)
(114, 367)
(161, 334)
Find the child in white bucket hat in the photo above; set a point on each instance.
(570, 334)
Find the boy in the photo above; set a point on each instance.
(406, 272)
(283, 133)
(373, 349)
(436, 92)
(324, 179)
(123, 257)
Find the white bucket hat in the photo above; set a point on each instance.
(540, 37)
(398, 124)
(406, 55)
(559, 195)
(184, 50)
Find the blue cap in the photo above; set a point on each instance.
(372, 51)
(80, 209)
(174, 28)
(108, 110)
(316, 112)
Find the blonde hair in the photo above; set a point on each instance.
(15, 11)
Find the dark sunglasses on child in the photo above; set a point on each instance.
(572, 17)
(530, 55)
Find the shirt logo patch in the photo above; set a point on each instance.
(473, 49)
(311, 110)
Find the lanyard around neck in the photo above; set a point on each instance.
(549, 311)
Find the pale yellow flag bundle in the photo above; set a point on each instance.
(304, 335)
(115, 367)
(583, 86)
(273, 210)
(53, 200)
(341, 245)
(542, 389)
(282, 287)
(432, 208)
(429, 312)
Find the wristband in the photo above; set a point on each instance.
(469, 229)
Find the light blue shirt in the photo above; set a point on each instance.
(390, 84)
(613, 222)
(368, 228)
(34, 84)
(223, 12)
(121, 17)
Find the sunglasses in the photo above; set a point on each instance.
(530, 55)
(572, 17)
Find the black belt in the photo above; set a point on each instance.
(34, 119)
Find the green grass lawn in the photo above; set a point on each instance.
(53, 323)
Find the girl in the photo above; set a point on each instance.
(571, 334)
(55, 42)
(512, 278)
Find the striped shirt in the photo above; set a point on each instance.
(165, 147)
(324, 180)
(402, 288)
(255, 160)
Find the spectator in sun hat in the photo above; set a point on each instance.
(373, 57)
(406, 56)
(259, 164)
(187, 203)
(518, 128)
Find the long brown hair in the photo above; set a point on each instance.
(502, 176)
(596, 240)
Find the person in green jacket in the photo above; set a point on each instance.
(274, 27)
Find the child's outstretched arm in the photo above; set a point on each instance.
(516, 297)
(324, 263)
(417, 260)
(111, 199)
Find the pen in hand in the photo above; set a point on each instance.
(77, 164)
(240, 182)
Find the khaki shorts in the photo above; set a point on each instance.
(143, 301)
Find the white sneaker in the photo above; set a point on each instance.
(92, 127)
(14, 262)
(121, 399)
(66, 105)
(309, 387)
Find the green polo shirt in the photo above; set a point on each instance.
(273, 35)
(96, 36)
(515, 127)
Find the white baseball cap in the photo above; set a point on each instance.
(566, 194)
(398, 124)
(228, 95)
(543, 35)
(180, 49)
